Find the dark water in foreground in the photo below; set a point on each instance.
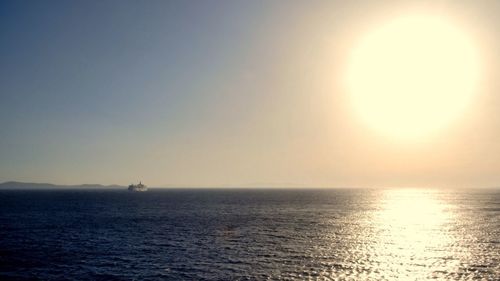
(250, 234)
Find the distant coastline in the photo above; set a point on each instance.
(15, 185)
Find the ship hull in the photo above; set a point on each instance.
(137, 189)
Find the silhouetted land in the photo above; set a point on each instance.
(12, 185)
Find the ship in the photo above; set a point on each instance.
(137, 187)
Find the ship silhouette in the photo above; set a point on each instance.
(137, 187)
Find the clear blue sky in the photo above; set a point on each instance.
(205, 93)
(82, 81)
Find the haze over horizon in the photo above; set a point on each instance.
(225, 93)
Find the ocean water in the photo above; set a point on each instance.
(337, 234)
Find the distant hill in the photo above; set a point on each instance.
(29, 185)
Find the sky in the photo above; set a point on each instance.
(222, 93)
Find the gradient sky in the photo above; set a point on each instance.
(221, 93)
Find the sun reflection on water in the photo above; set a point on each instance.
(412, 231)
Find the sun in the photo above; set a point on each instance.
(413, 75)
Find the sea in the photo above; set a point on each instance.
(250, 234)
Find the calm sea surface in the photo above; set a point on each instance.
(339, 234)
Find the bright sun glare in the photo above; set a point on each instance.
(413, 75)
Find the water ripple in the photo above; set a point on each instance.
(250, 235)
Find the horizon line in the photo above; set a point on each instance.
(240, 186)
